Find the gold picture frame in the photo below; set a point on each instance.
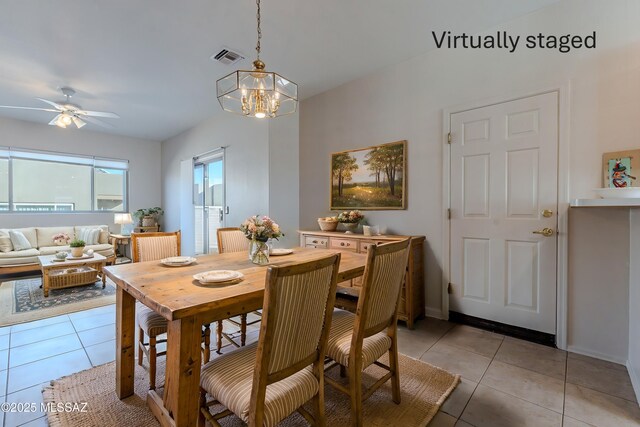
(370, 178)
(621, 169)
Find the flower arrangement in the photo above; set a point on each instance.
(61, 239)
(261, 228)
(350, 217)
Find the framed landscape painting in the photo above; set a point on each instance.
(372, 178)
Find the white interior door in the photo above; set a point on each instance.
(504, 173)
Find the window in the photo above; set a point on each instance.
(109, 187)
(4, 184)
(33, 181)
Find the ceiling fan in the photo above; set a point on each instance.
(69, 113)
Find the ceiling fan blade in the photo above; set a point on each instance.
(53, 104)
(99, 114)
(78, 122)
(55, 119)
(98, 122)
(29, 108)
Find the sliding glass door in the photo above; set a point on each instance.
(209, 201)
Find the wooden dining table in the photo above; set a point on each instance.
(187, 305)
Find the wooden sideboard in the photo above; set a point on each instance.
(412, 298)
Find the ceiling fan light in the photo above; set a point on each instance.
(60, 122)
(78, 122)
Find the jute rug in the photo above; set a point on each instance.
(22, 300)
(424, 388)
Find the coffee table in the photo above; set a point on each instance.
(64, 274)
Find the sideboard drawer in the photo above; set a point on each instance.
(316, 242)
(364, 246)
(343, 244)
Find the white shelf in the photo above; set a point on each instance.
(603, 203)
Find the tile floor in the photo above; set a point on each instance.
(505, 381)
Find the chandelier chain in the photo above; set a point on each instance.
(259, 29)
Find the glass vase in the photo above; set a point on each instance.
(259, 252)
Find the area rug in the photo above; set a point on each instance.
(22, 300)
(423, 390)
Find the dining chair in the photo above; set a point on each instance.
(359, 340)
(154, 246)
(264, 382)
(231, 239)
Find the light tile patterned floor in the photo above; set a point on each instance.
(505, 381)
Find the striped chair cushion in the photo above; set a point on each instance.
(233, 241)
(388, 275)
(151, 322)
(339, 343)
(299, 320)
(157, 247)
(229, 379)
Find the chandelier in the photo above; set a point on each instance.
(257, 93)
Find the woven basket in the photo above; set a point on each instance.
(62, 278)
(327, 225)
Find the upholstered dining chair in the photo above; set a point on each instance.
(231, 239)
(359, 340)
(264, 382)
(151, 247)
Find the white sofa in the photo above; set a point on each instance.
(41, 239)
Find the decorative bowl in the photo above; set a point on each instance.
(328, 224)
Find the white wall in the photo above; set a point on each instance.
(143, 156)
(261, 168)
(247, 165)
(633, 365)
(284, 177)
(406, 101)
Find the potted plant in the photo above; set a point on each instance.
(148, 217)
(77, 247)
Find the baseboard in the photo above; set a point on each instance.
(635, 379)
(597, 355)
(433, 312)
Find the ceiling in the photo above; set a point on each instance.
(148, 60)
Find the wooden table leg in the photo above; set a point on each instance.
(104, 277)
(125, 342)
(45, 283)
(182, 384)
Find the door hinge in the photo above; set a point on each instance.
(449, 213)
(449, 288)
(449, 138)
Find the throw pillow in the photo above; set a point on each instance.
(19, 241)
(5, 243)
(89, 235)
(104, 237)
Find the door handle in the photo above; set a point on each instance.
(546, 232)
(221, 215)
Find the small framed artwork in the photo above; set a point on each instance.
(372, 178)
(621, 169)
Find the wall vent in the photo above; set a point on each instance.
(227, 56)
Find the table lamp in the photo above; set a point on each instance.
(122, 219)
